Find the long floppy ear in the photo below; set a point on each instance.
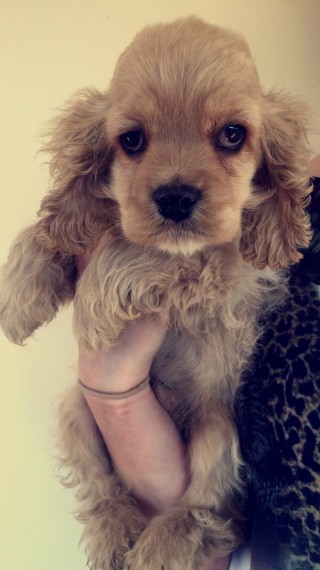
(275, 223)
(40, 274)
(77, 210)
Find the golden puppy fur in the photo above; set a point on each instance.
(180, 86)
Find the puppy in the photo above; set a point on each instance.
(190, 184)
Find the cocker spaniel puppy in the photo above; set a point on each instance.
(189, 183)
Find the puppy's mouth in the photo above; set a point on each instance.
(175, 220)
(178, 237)
(180, 223)
(180, 230)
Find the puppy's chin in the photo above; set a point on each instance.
(170, 242)
(183, 239)
(168, 237)
(178, 240)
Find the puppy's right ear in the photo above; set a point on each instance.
(40, 274)
(77, 210)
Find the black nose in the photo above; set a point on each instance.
(176, 202)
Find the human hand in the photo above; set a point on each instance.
(125, 365)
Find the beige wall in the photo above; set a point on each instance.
(48, 50)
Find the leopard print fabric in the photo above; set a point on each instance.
(278, 416)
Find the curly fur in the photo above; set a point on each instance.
(207, 278)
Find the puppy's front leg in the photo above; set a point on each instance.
(35, 282)
(119, 285)
(206, 523)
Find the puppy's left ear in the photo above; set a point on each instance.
(275, 224)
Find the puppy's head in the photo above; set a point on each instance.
(189, 149)
(185, 123)
(199, 151)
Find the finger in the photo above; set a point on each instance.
(82, 260)
(314, 166)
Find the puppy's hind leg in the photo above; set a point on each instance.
(112, 521)
(207, 521)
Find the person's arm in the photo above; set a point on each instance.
(145, 447)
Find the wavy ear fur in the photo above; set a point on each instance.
(77, 210)
(40, 273)
(275, 224)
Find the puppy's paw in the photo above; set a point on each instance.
(110, 534)
(95, 327)
(168, 543)
(182, 540)
(25, 306)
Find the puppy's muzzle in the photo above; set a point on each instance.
(176, 202)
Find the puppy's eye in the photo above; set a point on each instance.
(231, 137)
(133, 142)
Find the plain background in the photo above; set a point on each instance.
(48, 51)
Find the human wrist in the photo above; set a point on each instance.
(88, 391)
(103, 372)
(119, 406)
